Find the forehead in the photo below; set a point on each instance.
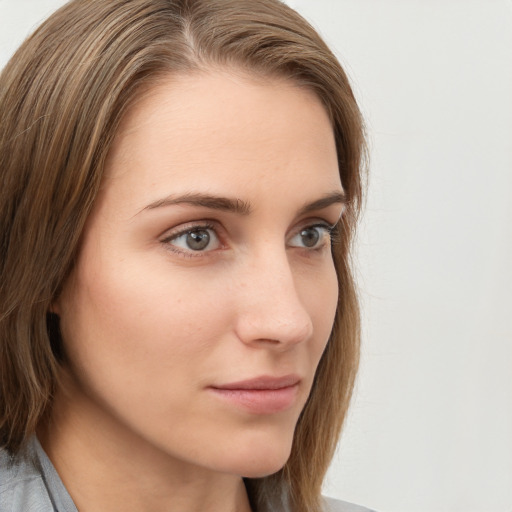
(224, 129)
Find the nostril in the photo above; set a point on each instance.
(268, 341)
(270, 328)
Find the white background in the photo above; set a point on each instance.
(430, 428)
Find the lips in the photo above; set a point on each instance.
(264, 382)
(261, 395)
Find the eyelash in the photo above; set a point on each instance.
(329, 229)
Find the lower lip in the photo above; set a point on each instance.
(260, 401)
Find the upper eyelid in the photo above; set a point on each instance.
(317, 222)
(185, 227)
(322, 224)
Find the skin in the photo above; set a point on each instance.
(150, 325)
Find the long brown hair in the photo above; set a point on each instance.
(62, 97)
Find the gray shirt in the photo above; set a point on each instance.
(30, 483)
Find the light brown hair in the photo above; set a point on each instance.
(62, 97)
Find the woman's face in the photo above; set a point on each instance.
(205, 292)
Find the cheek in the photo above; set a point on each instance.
(129, 324)
(320, 297)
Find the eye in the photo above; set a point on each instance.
(312, 237)
(194, 239)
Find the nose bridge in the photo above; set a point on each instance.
(270, 306)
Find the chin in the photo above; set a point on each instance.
(263, 470)
(260, 459)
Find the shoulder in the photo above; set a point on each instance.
(21, 485)
(332, 505)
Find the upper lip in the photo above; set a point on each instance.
(262, 382)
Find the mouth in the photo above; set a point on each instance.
(261, 395)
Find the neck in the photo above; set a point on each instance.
(106, 469)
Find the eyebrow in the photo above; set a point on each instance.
(206, 201)
(337, 197)
(239, 206)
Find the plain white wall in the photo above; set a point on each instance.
(430, 429)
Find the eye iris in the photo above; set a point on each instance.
(310, 237)
(198, 240)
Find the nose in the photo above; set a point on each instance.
(269, 308)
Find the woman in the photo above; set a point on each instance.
(179, 325)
